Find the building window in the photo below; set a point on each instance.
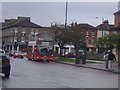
(36, 30)
(16, 31)
(15, 39)
(23, 30)
(92, 32)
(12, 30)
(23, 39)
(93, 36)
(86, 32)
(93, 39)
(81, 32)
(32, 30)
(11, 39)
(86, 39)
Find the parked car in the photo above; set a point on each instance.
(68, 54)
(5, 65)
(18, 54)
(11, 53)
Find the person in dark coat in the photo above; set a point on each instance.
(111, 59)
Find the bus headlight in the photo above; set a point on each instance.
(37, 57)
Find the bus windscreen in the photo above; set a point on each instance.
(45, 51)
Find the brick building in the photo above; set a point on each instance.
(116, 29)
(90, 33)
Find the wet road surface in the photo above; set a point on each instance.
(31, 74)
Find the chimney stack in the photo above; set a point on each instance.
(23, 18)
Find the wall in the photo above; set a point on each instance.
(117, 20)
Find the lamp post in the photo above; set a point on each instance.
(66, 13)
(102, 23)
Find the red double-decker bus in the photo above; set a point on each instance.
(40, 46)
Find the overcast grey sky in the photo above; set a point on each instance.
(44, 13)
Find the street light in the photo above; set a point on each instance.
(102, 23)
(100, 18)
(66, 11)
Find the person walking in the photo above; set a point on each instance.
(106, 59)
(111, 59)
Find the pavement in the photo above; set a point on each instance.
(116, 69)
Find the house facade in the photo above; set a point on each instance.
(90, 33)
(102, 30)
(15, 33)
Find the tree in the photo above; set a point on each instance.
(72, 35)
(60, 36)
(75, 36)
(110, 42)
(116, 41)
(106, 41)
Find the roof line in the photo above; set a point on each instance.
(13, 24)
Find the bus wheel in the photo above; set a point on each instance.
(29, 59)
(48, 61)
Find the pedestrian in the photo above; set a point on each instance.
(111, 59)
(106, 59)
